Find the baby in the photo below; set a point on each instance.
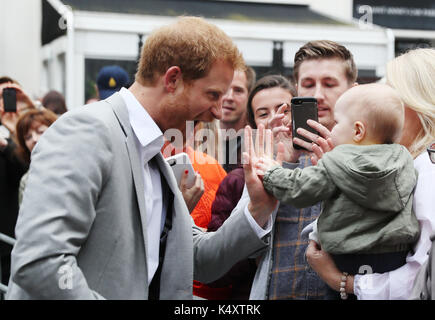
(366, 184)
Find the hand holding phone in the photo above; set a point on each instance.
(10, 100)
(303, 108)
(179, 164)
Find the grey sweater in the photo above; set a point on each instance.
(366, 193)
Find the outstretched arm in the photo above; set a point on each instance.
(325, 267)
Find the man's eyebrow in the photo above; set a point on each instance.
(330, 78)
(307, 78)
(216, 90)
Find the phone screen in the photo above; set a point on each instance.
(303, 108)
(10, 100)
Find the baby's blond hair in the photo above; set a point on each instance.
(380, 108)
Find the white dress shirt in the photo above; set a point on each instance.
(149, 141)
(397, 284)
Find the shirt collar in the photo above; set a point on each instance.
(146, 130)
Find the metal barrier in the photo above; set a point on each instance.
(10, 241)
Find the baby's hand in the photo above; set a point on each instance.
(263, 164)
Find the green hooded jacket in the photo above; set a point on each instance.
(367, 194)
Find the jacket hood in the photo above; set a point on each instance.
(378, 177)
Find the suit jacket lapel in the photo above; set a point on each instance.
(167, 173)
(120, 110)
(179, 244)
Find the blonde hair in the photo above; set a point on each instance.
(412, 75)
(379, 107)
(191, 43)
(207, 138)
(384, 111)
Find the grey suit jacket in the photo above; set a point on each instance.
(82, 224)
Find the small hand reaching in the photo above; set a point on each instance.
(263, 165)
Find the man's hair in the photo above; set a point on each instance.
(190, 43)
(26, 122)
(267, 82)
(325, 49)
(250, 78)
(412, 75)
(55, 102)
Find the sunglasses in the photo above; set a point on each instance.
(431, 152)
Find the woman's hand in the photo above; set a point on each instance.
(322, 263)
(23, 100)
(264, 164)
(3, 143)
(192, 195)
(10, 119)
(280, 124)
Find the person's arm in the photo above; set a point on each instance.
(10, 119)
(16, 166)
(70, 165)
(239, 237)
(299, 187)
(322, 263)
(227, 197)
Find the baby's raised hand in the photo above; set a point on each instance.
(263, 164)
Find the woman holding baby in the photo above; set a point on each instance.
(411, 75)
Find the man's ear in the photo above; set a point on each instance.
(359, 131)
(173, 77)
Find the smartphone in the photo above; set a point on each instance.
(10, 100)
(303, 108)
(179, 164)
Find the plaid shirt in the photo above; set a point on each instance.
(291, 277)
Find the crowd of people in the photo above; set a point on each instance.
(345, 214)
